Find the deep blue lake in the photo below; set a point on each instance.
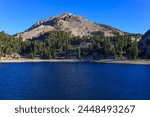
(74, 81)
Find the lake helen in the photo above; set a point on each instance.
(74, 81)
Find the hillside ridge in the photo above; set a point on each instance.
(73, 24)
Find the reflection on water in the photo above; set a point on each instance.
(74, 81)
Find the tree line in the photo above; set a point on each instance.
(59, 44)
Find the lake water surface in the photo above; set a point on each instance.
(74, 81)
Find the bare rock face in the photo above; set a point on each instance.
(76, 25)
(145, 44)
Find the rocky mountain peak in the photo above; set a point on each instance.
(55, 21)
(65, 15)
(76, 25)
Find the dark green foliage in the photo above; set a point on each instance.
(78, 53)
(59, 44)
(9, 44)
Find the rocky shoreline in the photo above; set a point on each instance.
(38, 60)
(125, 61)
(77, 60)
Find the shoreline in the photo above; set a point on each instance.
(38, 60)
(132, 62)
(107, 61)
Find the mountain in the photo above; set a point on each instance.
(76, 25)
(145, 45)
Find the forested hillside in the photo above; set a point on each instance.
(59, 44)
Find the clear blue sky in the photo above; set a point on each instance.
(127, 15)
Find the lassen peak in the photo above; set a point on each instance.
(73, 24)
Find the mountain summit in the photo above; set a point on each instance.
(76, 25)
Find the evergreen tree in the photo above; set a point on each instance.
(78, 53)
